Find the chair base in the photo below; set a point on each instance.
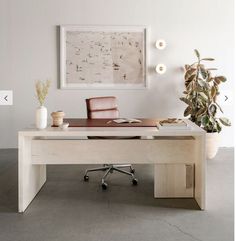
(110, 169)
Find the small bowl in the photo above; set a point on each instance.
(64, 126)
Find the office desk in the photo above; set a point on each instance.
(178, 156)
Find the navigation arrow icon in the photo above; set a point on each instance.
(6, 97)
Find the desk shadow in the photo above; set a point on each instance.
(120, 189)
(8, 180)
(139, 196)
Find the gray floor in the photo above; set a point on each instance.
(69, 209)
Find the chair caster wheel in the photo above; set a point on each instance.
(104, 186)
(132, 170)
(86, 178)
(135, 181)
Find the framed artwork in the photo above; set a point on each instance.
(103, 57)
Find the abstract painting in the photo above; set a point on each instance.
(103, 57)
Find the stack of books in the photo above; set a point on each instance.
(173, 124)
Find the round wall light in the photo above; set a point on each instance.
(160, 68)
(160, 44)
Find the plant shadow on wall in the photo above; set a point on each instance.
(202, 90)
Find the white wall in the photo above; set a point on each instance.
(29, 50)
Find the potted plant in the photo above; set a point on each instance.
(202, 90)
(41, 112)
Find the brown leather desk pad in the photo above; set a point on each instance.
(75, 122)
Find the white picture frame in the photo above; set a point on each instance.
(103, 57)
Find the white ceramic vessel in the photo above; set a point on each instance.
(41, 117)
(212, 144)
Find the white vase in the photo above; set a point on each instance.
(212, 144)
(41, 117)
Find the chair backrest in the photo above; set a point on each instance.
(102, 107)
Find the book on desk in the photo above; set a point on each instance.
(171, 124)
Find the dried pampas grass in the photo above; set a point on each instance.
(42, 90)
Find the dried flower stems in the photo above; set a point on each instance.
(42, 90)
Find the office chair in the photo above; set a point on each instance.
(99, 108)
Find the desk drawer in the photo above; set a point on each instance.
(113, 151)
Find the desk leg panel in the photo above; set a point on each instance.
(30, 177)
(174, 180)
(183, 180)
(200, 171)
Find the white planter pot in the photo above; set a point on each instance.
(41, 117)
(212, 144)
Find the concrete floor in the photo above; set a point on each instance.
(69, 209)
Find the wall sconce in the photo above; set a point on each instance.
(160, 68)
(160, 44)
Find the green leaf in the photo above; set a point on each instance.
(206, 92)
(201, 112)
(205, 120)
(211, 69)
(198, 88)
(201, 82)
(203, 72)
(208, 59)
(192, 70)
(203, 95)
(212, 120)
(213, 92)
(189, 73)
(225, 121)
(187, 111)
(189, 80)
(210, 79)
(217, 87)
(187, 66)
(217, 80)
(185, 100)
(212, 109)
(188, 86)
(221, 78)
(219, 107)
(197, 53)
(218, 127)
(201, 100)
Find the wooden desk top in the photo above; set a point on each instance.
(119, 130)
(75, 122)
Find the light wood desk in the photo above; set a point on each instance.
(178, 156)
